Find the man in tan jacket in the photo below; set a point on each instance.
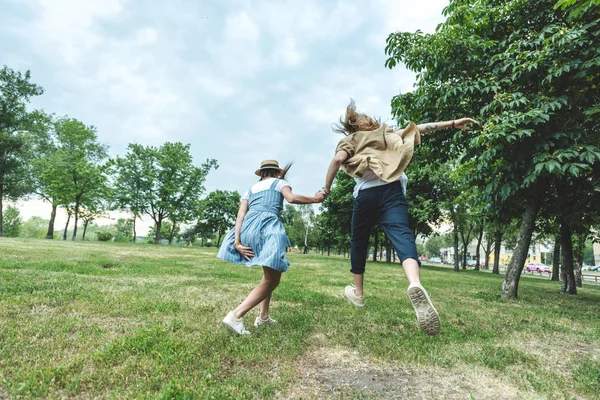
(376, 157)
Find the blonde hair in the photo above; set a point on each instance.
(354, 121)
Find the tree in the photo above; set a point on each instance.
(434, 244)
(132, 182)
(16, 90)
(174, 182)
(125, 230)
(165, 231)
(527, 70)
(35, 228)
(336, 214)
(12, 222)
(75, 170)
(219, 211)
(307, 213)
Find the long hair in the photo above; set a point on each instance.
(354, 121)
(275, 173)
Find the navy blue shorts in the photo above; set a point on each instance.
(387, 205)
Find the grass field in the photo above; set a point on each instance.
(91, 320)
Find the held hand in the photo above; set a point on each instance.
(246, 252)
(320, 196)
(461, 123)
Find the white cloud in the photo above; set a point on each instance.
(241, 29)
(240, 81)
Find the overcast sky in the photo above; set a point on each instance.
(241, 81)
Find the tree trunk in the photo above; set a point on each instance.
(157, 226)
(50, 233)
(172, 233)
(134, 232)
(465, 242)
(376, 245)
(568, 276)
(66, 225)
(219, 239)
(388, 250)
(305, 251)
(556, 259)
(578, 257)
(497, 248)
(510, 285)
(455, 237)
(85, 225)
(477, 251)
(329, 250)
(76, 220)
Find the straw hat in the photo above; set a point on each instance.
(268, 164)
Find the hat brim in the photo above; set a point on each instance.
(257, 172)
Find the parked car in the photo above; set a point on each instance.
(448, 261)
(471, 263)
(531, 267)
(435, 259)
(595, 268)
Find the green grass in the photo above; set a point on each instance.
(97, 320)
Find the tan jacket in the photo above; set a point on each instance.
(384, 152)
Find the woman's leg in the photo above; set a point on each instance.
(268, 283)
(264, 308)
(363, 217)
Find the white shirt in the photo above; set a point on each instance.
(265, 184)
(370, 180)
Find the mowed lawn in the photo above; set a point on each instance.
(97, 320)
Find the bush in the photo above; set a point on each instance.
(104, 236)
(122, 238)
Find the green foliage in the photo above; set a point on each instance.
(16, 90)
(34, 228)
(334, 223)
(218, 212)
(12, 222)
(124, 229)
(588, 254)
(165, 232)
(167, 184)
(104, 236)
(434, 244)
(528, 72)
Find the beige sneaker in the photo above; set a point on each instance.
(268, 321)
(427, 316)
(235, 324)
(358, 301)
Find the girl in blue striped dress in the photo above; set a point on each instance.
(259, 239)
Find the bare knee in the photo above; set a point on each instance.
(271, 279)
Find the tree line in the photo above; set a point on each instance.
(61, 160)
(530, 72)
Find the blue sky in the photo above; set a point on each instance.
(241, 81)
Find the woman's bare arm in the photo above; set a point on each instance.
(334, 167)
(434, 126)
(293, 198)
(246, 252)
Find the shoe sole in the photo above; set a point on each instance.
(427, 316)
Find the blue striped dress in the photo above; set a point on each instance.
(262, 230)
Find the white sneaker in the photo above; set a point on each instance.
(269, 321)
(427, 316)
(358, 301)
(235, 324)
